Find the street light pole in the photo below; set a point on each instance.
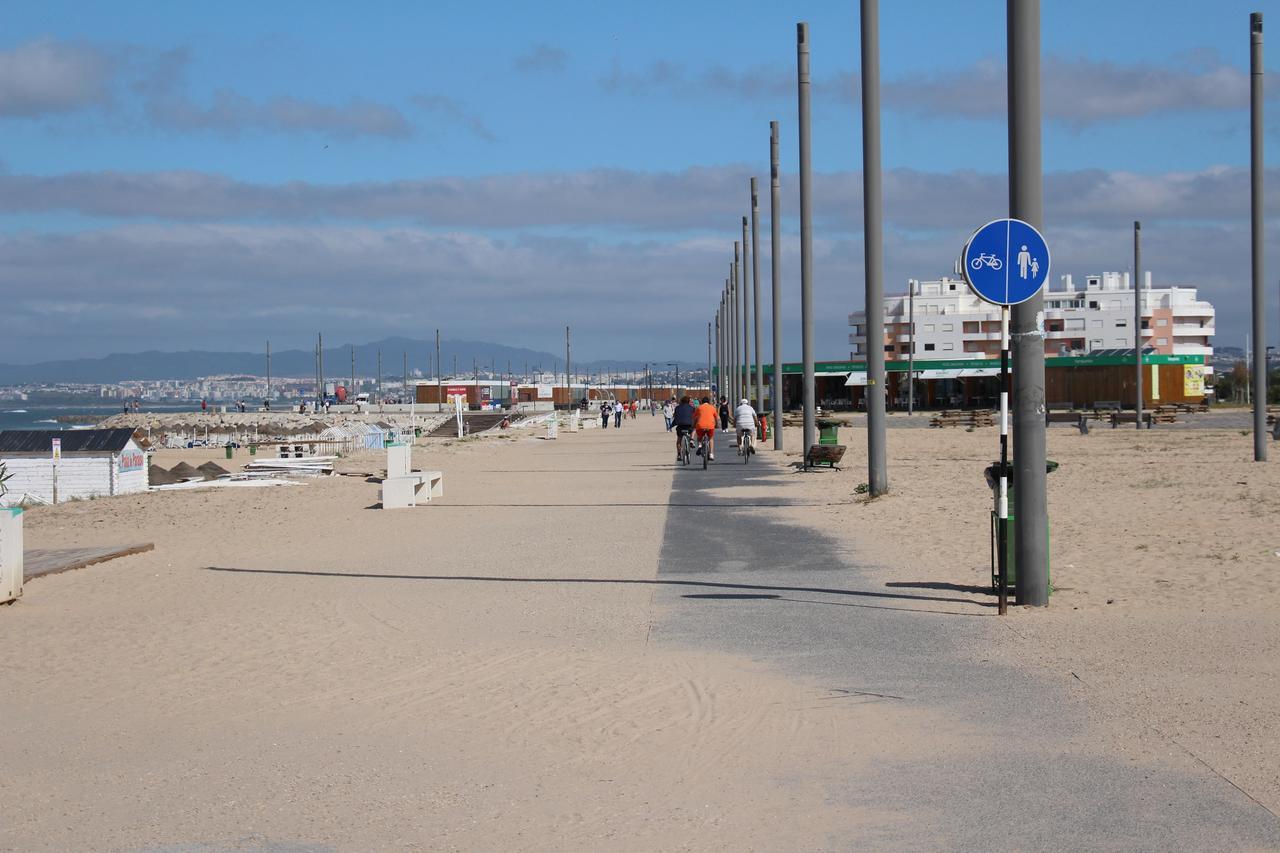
(873, 250)
(755, 281)
(1137, 320)
(911, 346)
(746, 316)
(775, 264)
(1026, 202)
(1256, 72)
(806, 235)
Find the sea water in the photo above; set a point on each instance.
(16, 415)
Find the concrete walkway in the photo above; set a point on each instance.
(1026, 764)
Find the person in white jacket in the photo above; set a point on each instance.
(744, 420)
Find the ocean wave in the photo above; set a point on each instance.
(16, 412)
(45, 421)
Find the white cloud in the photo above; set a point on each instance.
(46, 76)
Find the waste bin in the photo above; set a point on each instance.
(228, 451)
(828, 431)
(992, 473)
(253, 450)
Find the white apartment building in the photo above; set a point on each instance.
(950, 322)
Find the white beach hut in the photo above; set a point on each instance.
(93, 463)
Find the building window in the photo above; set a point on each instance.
(928, 327)
(971, 327)
(1096, 324)
(1093, 303)
(904, 348)
(929, 347)
(948, 346)
(1146, 324)
(1096, 343)
(948, 327)
(1161, 342)
(1161, 321)
(1123, 324)
(857, 329)
(888, 347)
(1075, 324)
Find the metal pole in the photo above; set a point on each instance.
(439, 370)
(268, 371)
(379, 386)
(353, 368)
(708, 356)
(755, 283)
(1137, 318)
(568, 382)
(1259, 297)
(873, 249)
(1002, 496)
(911, 351)
(746, 315)
(735, 294)
(320, 368)
(1026, 202)
(775, 263)
(806, 236)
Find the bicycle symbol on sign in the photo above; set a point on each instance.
(985, 259)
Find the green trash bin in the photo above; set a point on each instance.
(253, 450)
(994, 481)
(828, 431)
(228, 451)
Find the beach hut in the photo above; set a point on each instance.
(92, 463)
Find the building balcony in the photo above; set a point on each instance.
(1192, 330)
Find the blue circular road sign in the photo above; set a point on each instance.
(1006, 262)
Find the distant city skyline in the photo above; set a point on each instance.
(173, 179)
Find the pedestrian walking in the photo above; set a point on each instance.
(617, 415)
(605, 411)
(668, 411)
(724, 414)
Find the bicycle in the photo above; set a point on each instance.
(684, 447)
(704, 448)
(989, 260)
(746, 446)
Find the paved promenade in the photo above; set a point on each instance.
(580, 647)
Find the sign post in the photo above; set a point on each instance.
(57, 457)
(1005, 262)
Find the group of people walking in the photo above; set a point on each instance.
(617, 410)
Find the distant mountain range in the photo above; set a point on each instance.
(122, 367)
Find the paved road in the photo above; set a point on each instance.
(1030, 765)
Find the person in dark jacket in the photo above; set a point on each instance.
(683, 418)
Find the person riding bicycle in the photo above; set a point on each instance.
(744, 420)
(704, 424)
(683, 418)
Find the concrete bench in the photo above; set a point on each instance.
(404, 487)
(409, 491)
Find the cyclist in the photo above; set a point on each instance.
(683, 418)
(744, 420)
(704, 424)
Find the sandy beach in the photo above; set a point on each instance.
(566, 652)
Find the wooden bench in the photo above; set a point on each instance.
(963, 417)
(824, 454)
(1148, 419)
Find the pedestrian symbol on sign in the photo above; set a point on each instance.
(1006, 262)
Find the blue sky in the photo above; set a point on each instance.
(176, 177)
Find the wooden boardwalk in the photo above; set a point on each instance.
(50, 561)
